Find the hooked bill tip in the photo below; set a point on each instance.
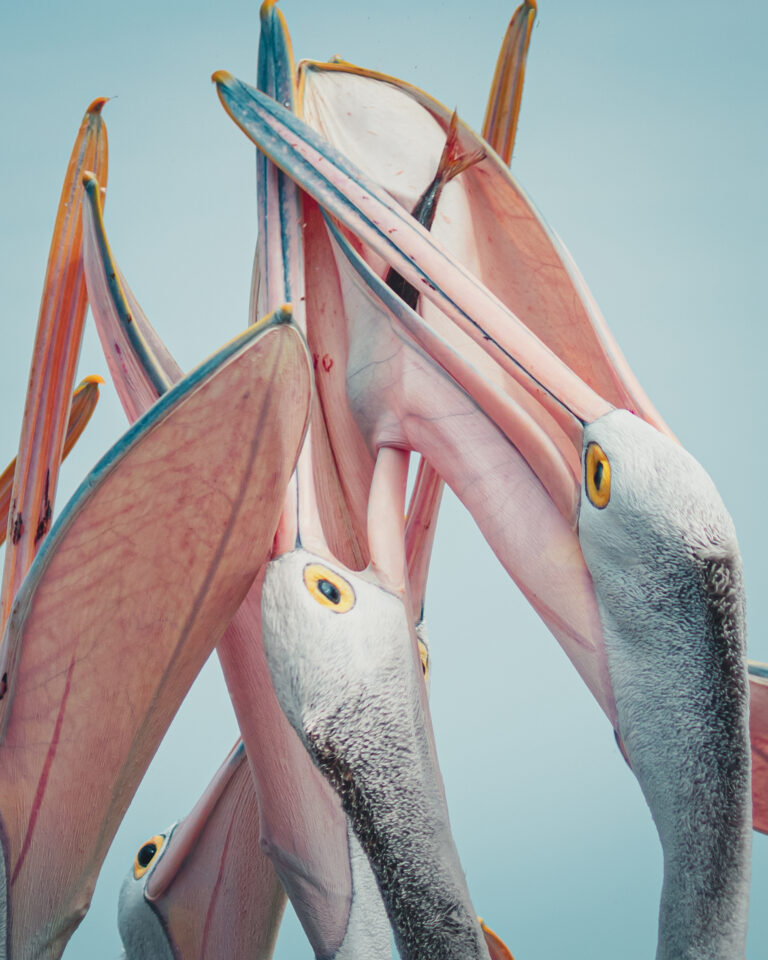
(97, 105)
(266, 8)
(222, 77)
(93, 378)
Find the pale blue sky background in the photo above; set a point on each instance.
(643, 141)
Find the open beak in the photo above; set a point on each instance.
(126, 599)
(574, 384)
(206, 878)
(188, 832)
(538, 406)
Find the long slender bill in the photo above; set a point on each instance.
(142, 572)
(54, 359)
(503, 110)
(333, 862)
(395, 134)
(84, 401)
(391, 232)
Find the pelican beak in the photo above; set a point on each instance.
(84, 401)
(536, 404)
(188, 833)
(503, 110)
(126, 599)
(195, 876)
(52, 374)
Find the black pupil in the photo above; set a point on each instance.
(144, 856)
(329, 590)
(598, 474)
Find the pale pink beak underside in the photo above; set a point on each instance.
(120, 613)
(214, 887)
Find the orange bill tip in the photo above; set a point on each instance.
(92, 378)
(222, 76)
(497, 949)
(266, 8)
(97, 105)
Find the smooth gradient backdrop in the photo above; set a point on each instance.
(643, 141)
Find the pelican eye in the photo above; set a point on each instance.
(146, 855)
(597, 476)
(328, 588)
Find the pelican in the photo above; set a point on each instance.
(650, 603)
(302, 826)
(221, 245)
(91, 687)
(204, 887)
(127, 594)
(414, 916)
(239, 648)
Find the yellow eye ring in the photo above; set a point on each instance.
(146, 855)
(328, 588)
(597, 476)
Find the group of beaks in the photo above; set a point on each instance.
(371, 336)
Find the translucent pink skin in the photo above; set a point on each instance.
(216, 848)
(52, 373)
(485, 220)
(121, 609)
(520, 391)
(758, 730)
(302, 826)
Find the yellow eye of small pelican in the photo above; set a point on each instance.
(597, 470)
(328, 588)
(146, 855)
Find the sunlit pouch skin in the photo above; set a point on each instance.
(134, 586)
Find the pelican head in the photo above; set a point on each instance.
(346, 668)
(641, 584)
(662, 551)
(141, 929)
(205, 880)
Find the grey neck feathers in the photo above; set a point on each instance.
(682, 696)
(419, 875)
